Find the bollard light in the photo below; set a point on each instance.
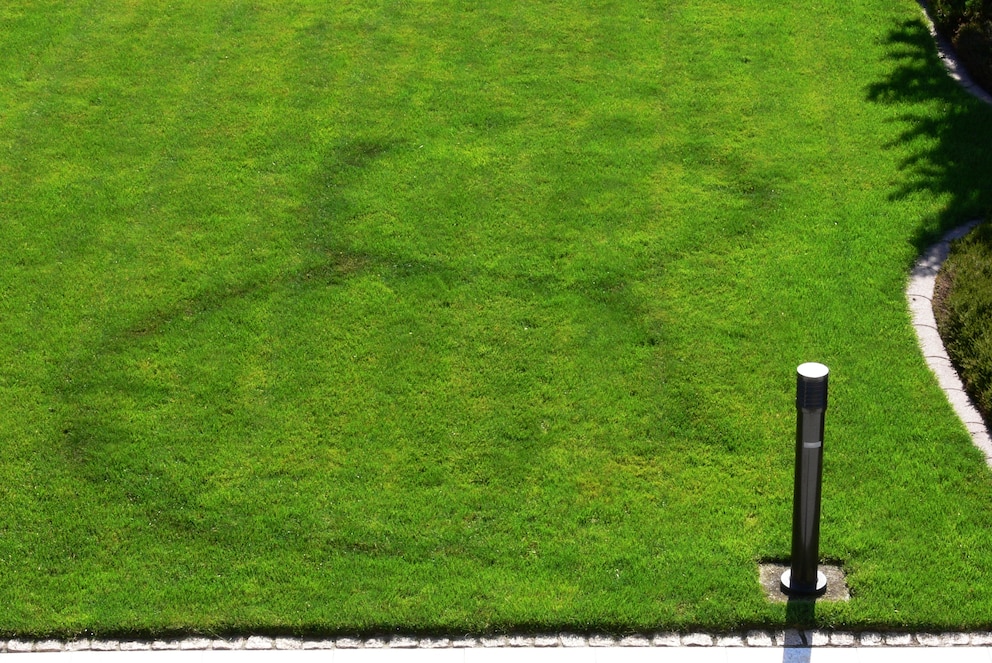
(803, 578)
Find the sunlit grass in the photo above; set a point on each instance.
(437, 316)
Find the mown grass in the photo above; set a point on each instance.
(438, 316)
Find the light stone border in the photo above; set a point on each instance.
(919, 294)
(755, 639)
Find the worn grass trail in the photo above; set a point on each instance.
(436, 316)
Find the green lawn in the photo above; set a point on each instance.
(468, 315)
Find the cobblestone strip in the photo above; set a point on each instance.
(753, 639)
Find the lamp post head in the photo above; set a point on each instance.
(811, 386)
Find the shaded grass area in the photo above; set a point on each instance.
(439, 317)
(948, 155)
(963, 307)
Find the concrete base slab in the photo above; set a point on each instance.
(770, 576)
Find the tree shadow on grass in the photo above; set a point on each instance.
(951, 132)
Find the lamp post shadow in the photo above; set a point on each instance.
(800, 611)
(800, 619)
(800, 614)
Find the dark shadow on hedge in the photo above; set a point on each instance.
(967, 25)
(952, 129)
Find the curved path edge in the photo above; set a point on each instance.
(919, 291)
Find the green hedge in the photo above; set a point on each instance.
(968, 24)
(963, 306)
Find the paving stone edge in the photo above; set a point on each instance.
(660, 640)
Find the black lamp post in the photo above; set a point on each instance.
(803, 578)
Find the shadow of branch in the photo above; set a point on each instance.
(948, 132)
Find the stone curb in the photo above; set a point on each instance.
(919, 295)
(755, 639)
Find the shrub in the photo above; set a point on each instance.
(968, 25)
(950, 15)
(973, 42)
(963, 307)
